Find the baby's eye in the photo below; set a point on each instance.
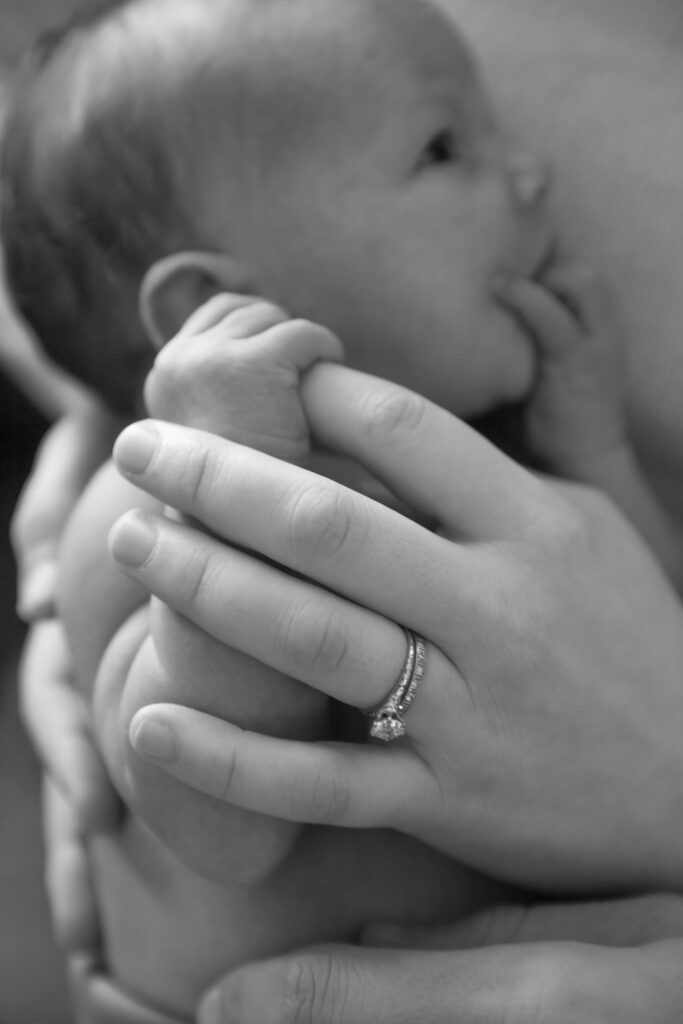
(442, 148)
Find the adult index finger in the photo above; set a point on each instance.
(436, 463)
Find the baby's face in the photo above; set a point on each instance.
(393, 200)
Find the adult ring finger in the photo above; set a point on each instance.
(342, 649)
(388, 720)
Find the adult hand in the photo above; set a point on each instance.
(550, 964)
(69, 885)
(544, 745)
(54, 713)
(57, 720)
(70, 453)
(78, 799)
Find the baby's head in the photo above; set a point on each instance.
(339, 157)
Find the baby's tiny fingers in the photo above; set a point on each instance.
(250, 318)
(212, 312)
(313, 783)
(584, 291)
(548, 321)
(297, 344)
(233, 316)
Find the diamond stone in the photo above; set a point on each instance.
(388, 728)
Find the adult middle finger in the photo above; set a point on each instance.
(361, 549)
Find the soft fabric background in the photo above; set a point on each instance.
(596, 83)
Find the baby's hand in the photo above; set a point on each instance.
(234, 370)
(575, 413)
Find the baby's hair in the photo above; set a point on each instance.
(90, 198)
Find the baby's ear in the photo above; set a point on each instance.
(176, 286)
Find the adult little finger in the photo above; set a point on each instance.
(316, 783)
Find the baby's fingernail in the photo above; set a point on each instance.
(135, 447)
(154, 739)
(37, 589)
(132, 540)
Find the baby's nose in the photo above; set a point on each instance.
(530, 179)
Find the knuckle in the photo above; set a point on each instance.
(314, 637)
(316, 991)
(521, 613)
(196, 580)
(324, 521)
(299, 325)
(256, 317)
(269, 309)
(196, 473)
(396, 410)
(562, 526)
(586, 275)
(330, 799)
(226, 775)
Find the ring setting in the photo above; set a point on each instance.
(388, 720)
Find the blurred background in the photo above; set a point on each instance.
(32, 988)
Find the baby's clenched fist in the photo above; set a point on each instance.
(235, 369)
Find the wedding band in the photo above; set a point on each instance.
(388, 720)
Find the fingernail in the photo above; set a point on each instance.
(132, 540)
(154, 740)
(135, 447)
(37, 591)
(211, 1009)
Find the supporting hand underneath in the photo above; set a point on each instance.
(606, 962)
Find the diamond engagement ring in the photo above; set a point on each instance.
(388, 720)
